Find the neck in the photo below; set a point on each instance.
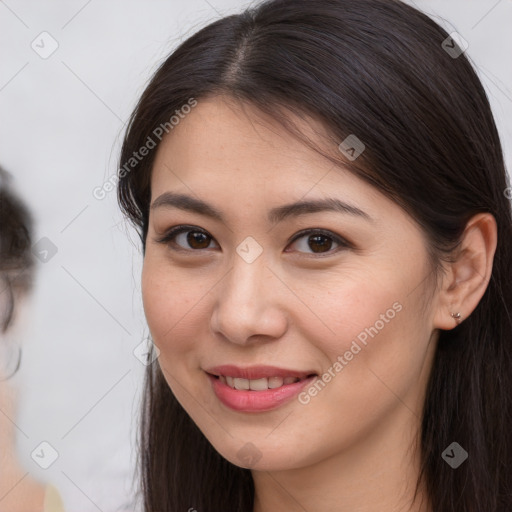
(377, 473)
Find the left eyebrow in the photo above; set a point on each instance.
(277, 214)
(319, 205)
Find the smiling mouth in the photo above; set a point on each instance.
(262, 384)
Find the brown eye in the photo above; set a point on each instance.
(187, 238)
(319, 242)
(197, 239)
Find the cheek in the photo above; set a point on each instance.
(174, 313)
(356, 305)
(377, 356)
(171, 302)
(369, 322)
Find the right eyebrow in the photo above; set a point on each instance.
(188, 203)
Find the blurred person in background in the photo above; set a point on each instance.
(19, 491)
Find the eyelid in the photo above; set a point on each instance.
(342, 242)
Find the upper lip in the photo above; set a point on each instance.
(257, 372)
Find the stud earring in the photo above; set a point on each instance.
(457, 317)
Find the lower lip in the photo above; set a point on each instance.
(256, 401)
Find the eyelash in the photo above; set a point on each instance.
(169, 236)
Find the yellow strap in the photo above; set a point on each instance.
(52, 500)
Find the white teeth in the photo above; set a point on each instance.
(241, 383)
(275, 382)
(257, 384)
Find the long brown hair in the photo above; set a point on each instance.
(386, 72)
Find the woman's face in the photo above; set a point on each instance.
(345, 302)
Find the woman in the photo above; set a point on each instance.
(19, 491)
(320, 192)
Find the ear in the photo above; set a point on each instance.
(467, 277)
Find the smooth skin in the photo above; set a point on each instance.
(299, 304)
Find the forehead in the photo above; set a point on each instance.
(218, 128)
(221, 142)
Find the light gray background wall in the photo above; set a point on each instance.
(61, 120)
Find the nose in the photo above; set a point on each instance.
(249, 305)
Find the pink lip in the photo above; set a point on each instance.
(257, 401)
(257, 372)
